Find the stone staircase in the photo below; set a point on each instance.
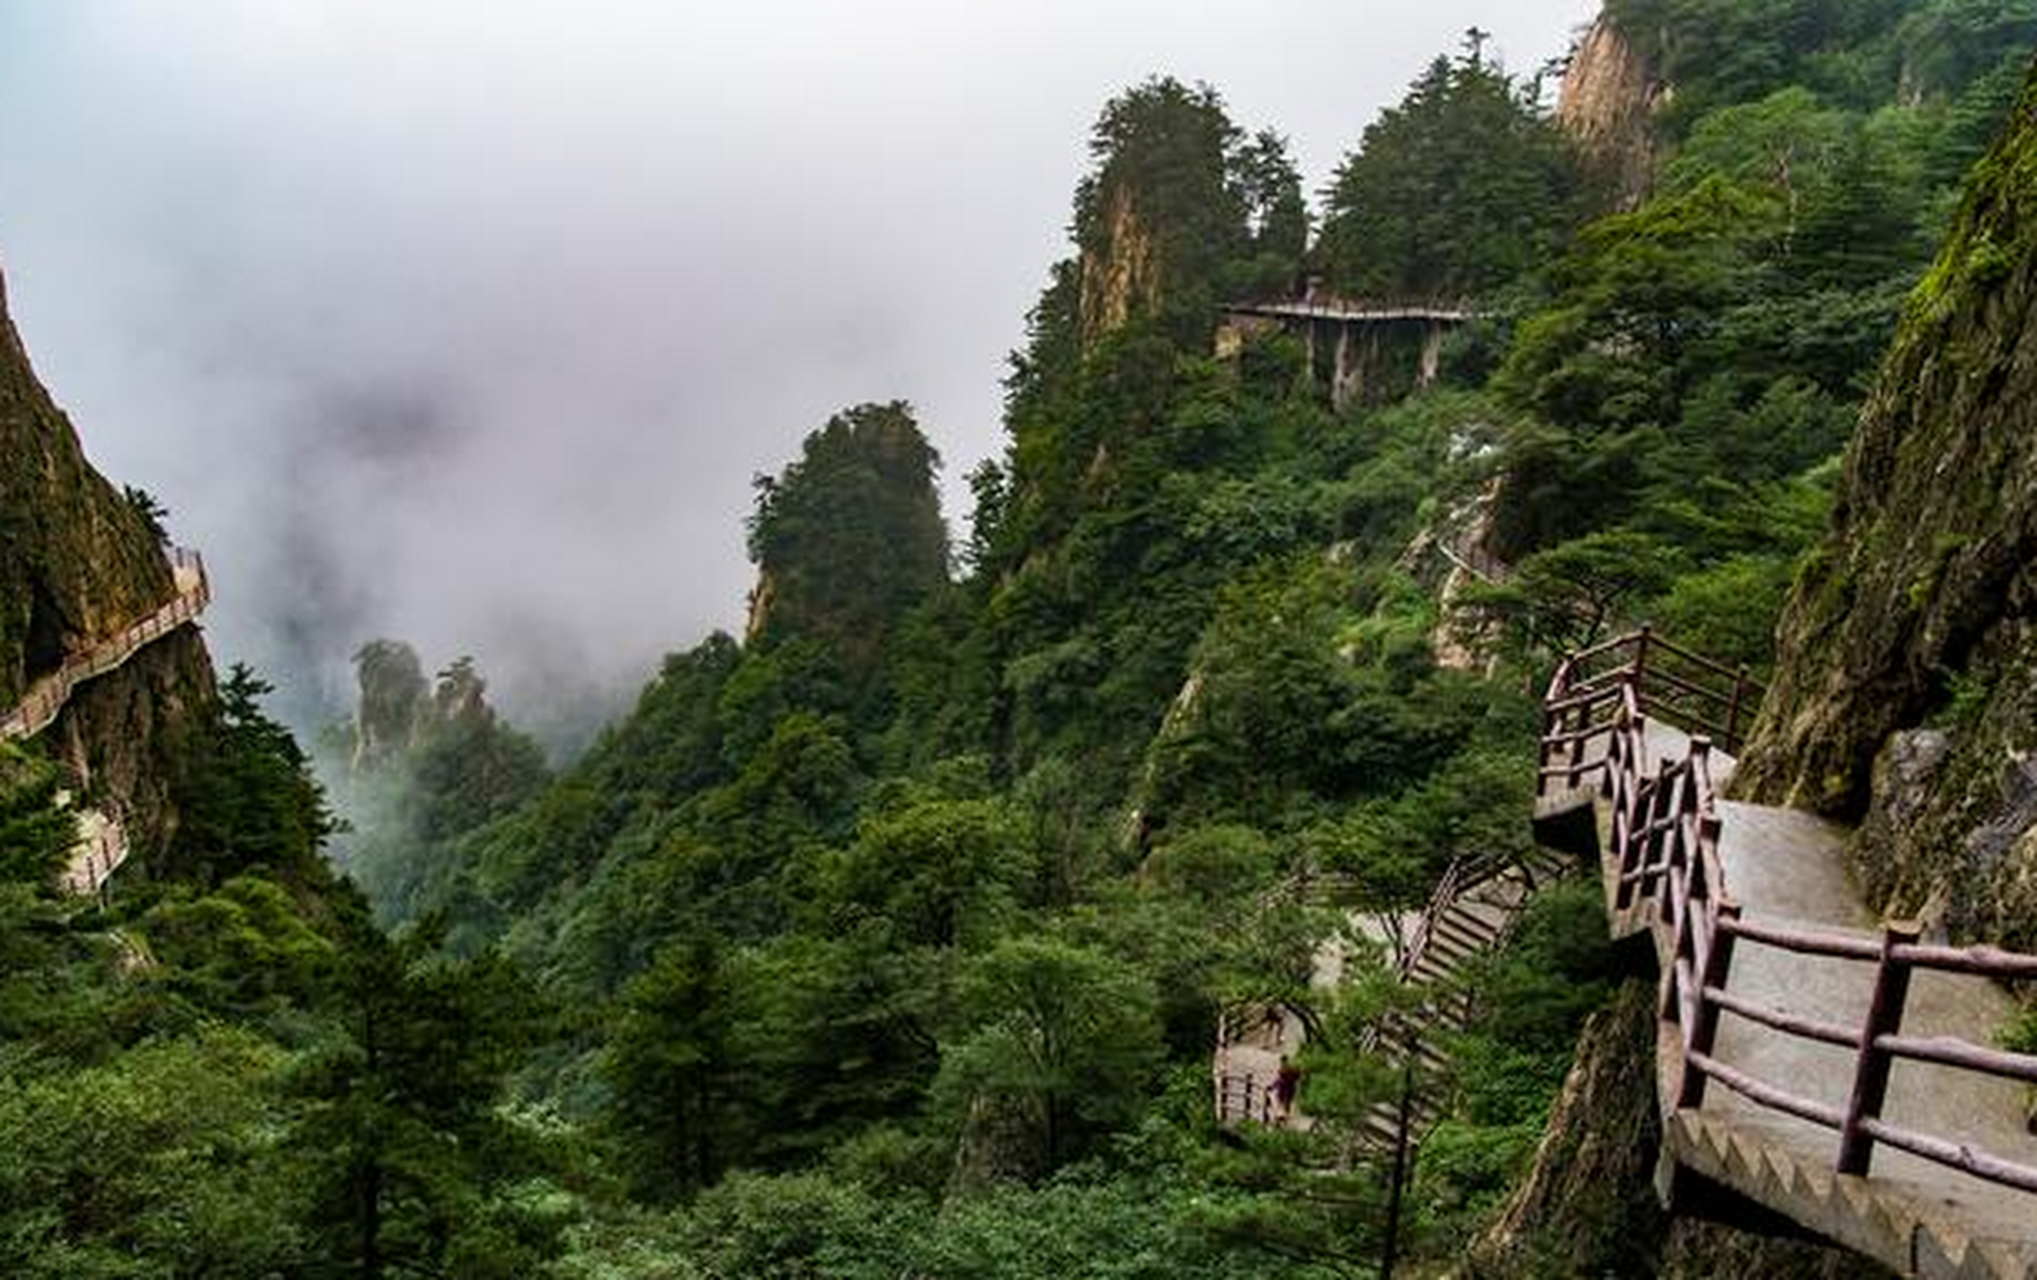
(1473, 908)
(1819, 1063)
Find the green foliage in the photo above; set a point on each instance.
(668, 1063)
(939, 872)
(1058, 1047)
(400, 1141)
(893, 938)
(163, 1163)
(249, 800)
(35, 834)
(1531, 998)
(1462, 187)
(850, 535)
(1192, 211)
(153, 513)
(244, 949)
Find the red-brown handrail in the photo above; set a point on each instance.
(1665, 850)
(1637, 674)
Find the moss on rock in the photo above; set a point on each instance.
(1937, 517)
(78, 561)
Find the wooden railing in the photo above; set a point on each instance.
(1322, 306)
(100, 851)
(103, 845)
(1664, 848)
(1242, 1097)
(1598, 689)
(47, 696)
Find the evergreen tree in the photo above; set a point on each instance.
(850, 536)
(1460, 188)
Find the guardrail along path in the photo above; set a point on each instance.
(1819, 1062)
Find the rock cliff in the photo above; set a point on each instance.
(80, 562)
(1911, 635)
(1586, 1207)
(1121, 272)
(1610, 98)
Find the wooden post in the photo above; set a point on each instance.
(1627, 809)
(1390, 1253)
(1640, 664)
(1703, 1031)
(1583, 718)
(1884, 1018)
(1733, 709)
(1549, 723)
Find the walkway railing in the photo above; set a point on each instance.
(102, 844)
(101, 849)
(1243, 1097)
(47, 696)
(1358, 310)
(1664, 849)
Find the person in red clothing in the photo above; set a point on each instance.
(1284, 1086)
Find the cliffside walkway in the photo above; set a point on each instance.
(102, 840)
(1346, 338)
(1354, 311)
(1829, 1067)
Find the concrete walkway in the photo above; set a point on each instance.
(1913, 1215)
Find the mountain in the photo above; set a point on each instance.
(897, 935)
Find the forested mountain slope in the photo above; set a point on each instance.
(894, 936)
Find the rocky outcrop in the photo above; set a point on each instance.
(849, 537)
(1920, 609)
(78, 561)
(81, 562)
(393, 694)
(1121, 275)
(1585, 1206)
(1588, 1208)
(399, 709)
(1611, 97)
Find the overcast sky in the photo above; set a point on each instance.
(468, 321)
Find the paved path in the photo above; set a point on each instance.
(1921, 1218)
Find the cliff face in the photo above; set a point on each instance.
(1121, 276)
(1587, 1206)
(80, 563)
(1920, 610)
(1611, 94)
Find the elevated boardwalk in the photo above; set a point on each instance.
(1352, 311)
(1356, 333)
(1812, 1059)
(102, 840)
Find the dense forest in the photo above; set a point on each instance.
(892, 938)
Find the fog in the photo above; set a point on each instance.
(469, 321)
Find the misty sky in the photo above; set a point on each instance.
(468, 321)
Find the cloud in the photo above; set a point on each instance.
(469, 321)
